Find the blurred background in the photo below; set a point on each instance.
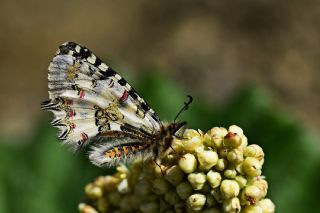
(254, 63)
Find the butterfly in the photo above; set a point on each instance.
(93, 105)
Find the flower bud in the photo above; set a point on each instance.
(93, 191)
(194, 140)
(197, 180)
(254, 151)
(152, 207)
(172, 197)
(266, 205)
(250, 195)
(253, 209)
(251, 166)
(236, 129)
(207, 159)
(235, 156)
(196, 201)
(214, 178)
(229, 189)
(160, 186)
(210, 201)
(84, 208)
(221, 164)
(188, 163)
(230, 173)
(232, 205)
(174, 175)
(242, 181)
(184, 190)
(232, 140)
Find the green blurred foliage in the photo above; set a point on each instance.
(43, 176)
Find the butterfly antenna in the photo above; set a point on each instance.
(184, 108)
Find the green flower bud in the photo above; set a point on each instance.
(253, 209)
(232, 140)
(250, 195)
(114, 198)
(172, 197)
(210, 201)
(212, 210)
(152, 207)
(214, 178)
(222, 164)
(267, 205)
(193, 142)
(217, 134)
(207, 159)
(84, 208)
(216, 194)
(235, 156)
(184, 190)
(242, 181)
(251, 166)
(236, 129)
(196, 202)
(125, 204)
(93, 191)
(160, 186)
(229, 189)
(197, 180)
(232, 205)
(254, 151)
(188, 163)
(230, 173)
(142, 188)
(174, 175)
(102, 205)
(223, 152)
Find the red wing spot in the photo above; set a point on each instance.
(81, 94)
(124, 96)
(73, 125)
(84, 136)
(71, 113)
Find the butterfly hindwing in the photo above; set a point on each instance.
(88, 98)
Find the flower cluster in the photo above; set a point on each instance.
(208, 172)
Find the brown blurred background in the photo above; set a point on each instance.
(212, 48)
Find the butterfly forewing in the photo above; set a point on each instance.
(90, 100)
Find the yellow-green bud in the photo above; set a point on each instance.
(223, 152)
(251, 166)
(160, 186)
(93, 191)
(214, 178)
(114, 198)
(229, 189)
(250, 195)
(210, 201)
(236, 129)
(267, 205)
(152, 207)
(231, 205)
(196, 201)
(230, 173)
(217, 134)
(197, 180)
(235, 156)
(242, 181)
(102, 205)
(254, 150)
(184, 190)
(232, 140)
(143, 187)
(193, 142)
(188, 163)
(217, 195)
(207, 159)
(174, 175)
(253, 209)
(84, 208)
(125, 204)
(212, 210)
(221, 164)
(172, 197)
